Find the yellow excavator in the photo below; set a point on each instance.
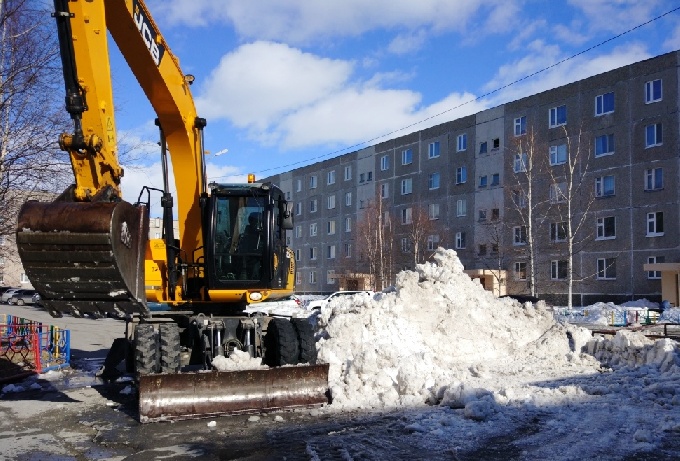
(88, 252)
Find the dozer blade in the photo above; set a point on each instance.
(85, 257)
(164, 397)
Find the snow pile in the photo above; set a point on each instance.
(438, 329)
(633, 349)
(600, 313)
(238, 360)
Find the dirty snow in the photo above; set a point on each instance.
(441, 339)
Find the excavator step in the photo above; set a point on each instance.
(85, 257)
(166, 397)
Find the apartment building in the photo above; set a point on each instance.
(594, 163)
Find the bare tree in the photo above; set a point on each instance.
(31, 115)
(572, 197)
(375, 242)
(420, 234)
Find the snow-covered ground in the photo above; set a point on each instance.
(478, 368)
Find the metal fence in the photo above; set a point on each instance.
(28, 347)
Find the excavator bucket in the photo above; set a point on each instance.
(165, 397)
(85, 257)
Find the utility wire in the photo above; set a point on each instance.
(526, 77)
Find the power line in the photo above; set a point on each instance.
(526, 77)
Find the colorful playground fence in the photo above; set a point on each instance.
(28, 347)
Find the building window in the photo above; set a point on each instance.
(481, 215)
(406, 186)
(330, 252)
(312, 182)
(348, 199)
(461, 175)
(655, 224)
(330, 179)
(384, 190)
(313, 229)
(461, 207)
(557, 116)
(558, 192)
(406, 216)
(654, 179)
(606, 228)
(558, 269)
(604, 103)
(313, 206)
(604, 145)
(298, 231)
(604, 186)
(312, 253)
(520, 271)
(312, 277)
(331, 201)
(655, 275)
(433, 150)
(433, 181)
(558, 231)
(653, 135)
(298, 185)
(460, 240)
(298, 208)
(298, 278)
(482, 250)
(156, 235)
(362, 177)
(406, 157)
(298, 254)
(483, 181)
(519, 236)
(461, 142)
(558, 154)
(330, 277)
(348, 250)
(386, 219)
(519, 198)
(606, 268)
(348, 224)
(482, 148)
(519, 163)
(433, 211)
(288, 196)
(521, 126)
(495, 179)
(369, 176)
(384, 163)
(495, 214)
(348, 173)
(496, 143)
(405, 246)
(330, 227)
(432, 242)
(653, 91)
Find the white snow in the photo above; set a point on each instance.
(237, 360)
(441, 339)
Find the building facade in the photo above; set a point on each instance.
(587, 172)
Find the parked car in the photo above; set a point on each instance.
(4, 297)
(21, 297)
(319, 303)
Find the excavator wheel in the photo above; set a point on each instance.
(146, 349)
(281, 342)
(305, 336)
(169, 347)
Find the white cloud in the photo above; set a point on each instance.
(672, 43)
(541, 56)
(407, 42)
(615, 15)
(303, 21)
(260, 82)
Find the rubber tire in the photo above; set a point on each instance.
(20, 302)
(146, 349)
(169, 347)
(306, 341)
(281, 343)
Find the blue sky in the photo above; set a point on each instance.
(286, 83)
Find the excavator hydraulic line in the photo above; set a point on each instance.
(85, 257)
(165, 397)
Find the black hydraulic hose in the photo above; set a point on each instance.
(168, 227)
(75, 94)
